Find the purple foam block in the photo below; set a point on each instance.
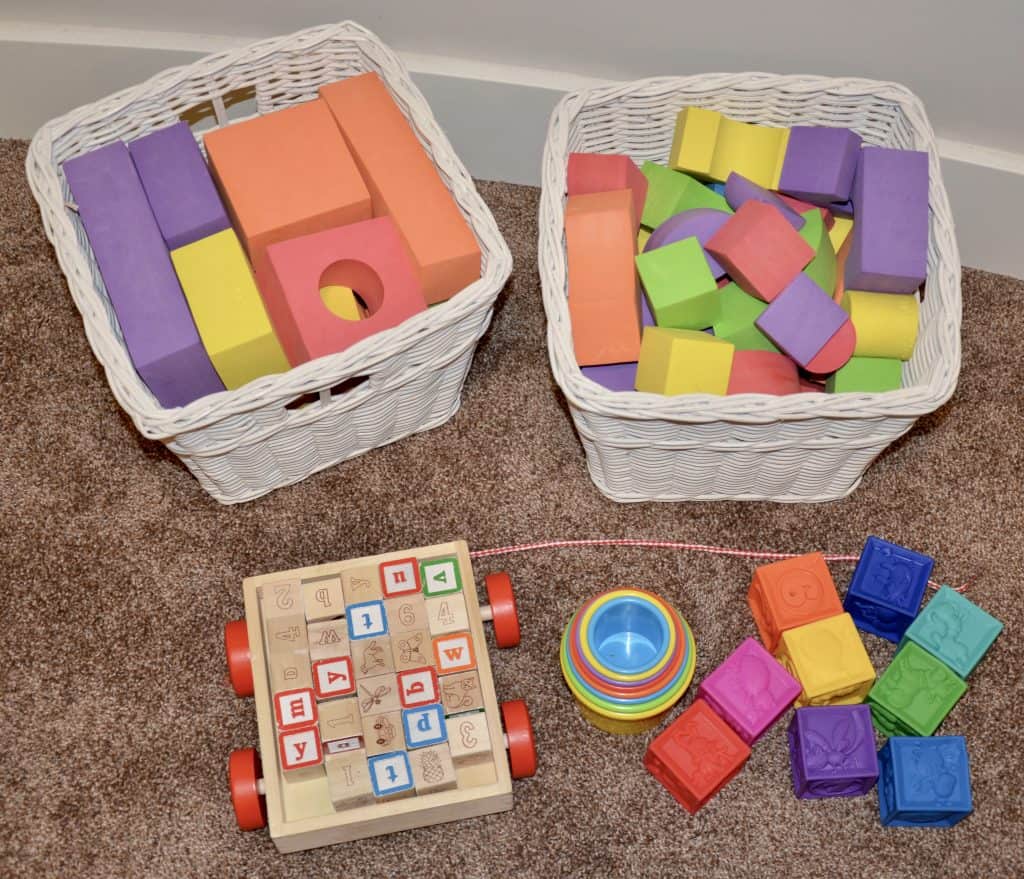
(738, 189)
(178, 185)
(832, 751)
(820, 164)
(646, 315)
(155, 321)
(615, 377)
(801, 319)
(699, 223)
(889, 250)
(750, 690)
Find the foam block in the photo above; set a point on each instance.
(680, 287)
(283, 175)
(890, 239)
(368, 257)
(405, 185)
(738, 189)
(178, 185)
(820, 163)
(821, 269)
(836, 352)
(866, 375)
(737, 312)
(670, 192)
(802, 319)
(802, 207)
(699, 223)
(342, 302)
(594, 172)
(614, 376)
(642, 237)
(886, 325)
(683, 362)
(158, 330)
(604, 293)
(228, 310)
(763, 372)
(840, 231)
(760, 250)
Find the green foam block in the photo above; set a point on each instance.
(681, 290)
(866, 375)
(671, 192)
(737, 312)
(821, 269)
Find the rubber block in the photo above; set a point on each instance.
(886, 325)
(159, 333)
(405, 185)
(178, 185)
(801, 319)
(699, 223)
(680, 288)
(282, 175)
(889, 253)
(820, 163)
(763, 372)
(227, 309)
(683, 362)
(866, 375)
(369, 258)
(670, 192)
(604, 294)
(739, 190)
(597, 172)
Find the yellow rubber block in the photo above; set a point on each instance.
(694, 140)
(683, 362)
(841, 228)
(341, 301)
(228, 310)
(755, 151)
(886, 323)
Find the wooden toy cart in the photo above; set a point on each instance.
(374, 698)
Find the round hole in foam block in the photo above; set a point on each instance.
(368, 257)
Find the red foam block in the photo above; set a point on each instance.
(763, 372)
(600, 172)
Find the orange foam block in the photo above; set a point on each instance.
(405, 185)
(600, 172)
(604, 292)
(367, 257)
(281, 175)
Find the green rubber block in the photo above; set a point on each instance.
(681, 290)
(954, 630)
(671, 192)
(914, 694)
(821, 269)
(737, 312)
(866, 375)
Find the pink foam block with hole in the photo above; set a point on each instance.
(368, 257)
(760, 250)
(605, 172)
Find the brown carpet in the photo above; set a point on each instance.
(119, 573)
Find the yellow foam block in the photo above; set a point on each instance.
(641, 239)
(755, 151)
(828, 658)
(227, 309)
(341, 301)
(694, 140)
(840, 231)
(683, 362)
(886, 323)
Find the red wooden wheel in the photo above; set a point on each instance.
(244, 774)
(522, 750)
(503, 609)
(236, 646)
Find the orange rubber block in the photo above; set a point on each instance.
(604, 292)
(405, 185)
(369, 258)
(603, 172)
(282, 175)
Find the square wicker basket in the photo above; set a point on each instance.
(799, 448)
(244, 443)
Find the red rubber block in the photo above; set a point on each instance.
(596, 172)
(760, 250)
(763, 372)
(368, 257)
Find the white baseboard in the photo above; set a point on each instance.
(495, 115)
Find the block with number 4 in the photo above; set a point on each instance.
(447, 614)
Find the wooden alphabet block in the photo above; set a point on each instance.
(287, 634)
(418, 687)
(447, 614)
(683, 362)
(359, 585)
(378, 695)
(328, 639)
(594, 172)
(366, 620)
(406, 614)
(348, 780)
(411, 650)
(440, 576)
(461, 692)
(454, 653)
(383, 733)
(301, 754)
(399, 578)
(468, 738)
(372, 656)
(283, 599)
(339, 720)
(333, 677)
(433, 769)
(323, 599)
(391, 775)
(289, 670)
(424, 726)
(294, 709)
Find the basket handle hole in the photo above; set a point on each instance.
(220, 110)
(327, 395)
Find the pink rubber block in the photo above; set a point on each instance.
(763, 372)
(760, 250)
(369, 258)
(599, 172)
(750, 690)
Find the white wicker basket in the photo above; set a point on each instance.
(244, 443)
(803, 447)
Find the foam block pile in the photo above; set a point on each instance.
(771, 261)
(311, 229)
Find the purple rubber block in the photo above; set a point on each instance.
(615, 377)
(739, 190)
(155, 321)
(178, 185)
(889, 250)
(750, 690)
(699, 223)
(801, 319)
(832, 751)
(820, 164)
